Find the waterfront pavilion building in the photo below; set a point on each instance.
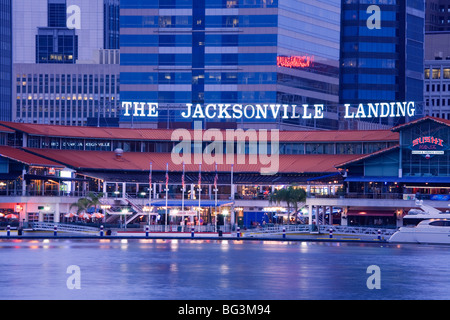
(230, 52)
(46, 168)
(360, 177)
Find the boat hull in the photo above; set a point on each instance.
(422, 236)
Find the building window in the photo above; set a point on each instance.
(436, 73)
(447, 73)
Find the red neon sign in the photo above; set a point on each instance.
(295, 61)
(430, 140)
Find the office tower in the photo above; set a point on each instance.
(59, 31)
(437, 59)
(382, 52)
(5, 60)
(230, 52)
(111, 20)
(56, 43)
(437, 15)
(62, 72)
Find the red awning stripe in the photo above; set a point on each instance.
(370, 213)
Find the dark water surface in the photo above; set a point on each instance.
(213, 270)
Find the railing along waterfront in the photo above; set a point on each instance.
(188, 228)
(71, 228)
(323, 228)
(360, 196)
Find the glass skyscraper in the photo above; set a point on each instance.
(111, 18)
(175, 52)
(384, 62)
(5, 60)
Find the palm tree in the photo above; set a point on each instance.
(94, 199)
(291, 196)
(81, 205)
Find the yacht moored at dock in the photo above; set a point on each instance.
(433, 227)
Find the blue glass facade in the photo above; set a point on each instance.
(382, 63)
(111, 19)
(229, 51)
(5, 60)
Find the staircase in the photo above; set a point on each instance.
(137, 205)
(117, 204)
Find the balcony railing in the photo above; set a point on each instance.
(46, 193)
(360, 196)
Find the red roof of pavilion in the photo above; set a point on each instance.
(166, 134)
(140, 161)
(26, 157)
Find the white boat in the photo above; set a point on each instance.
(426, 226)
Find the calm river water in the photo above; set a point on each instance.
(220, 270)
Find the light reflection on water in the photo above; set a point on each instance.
(227, 269)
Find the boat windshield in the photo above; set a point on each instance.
(440, 223)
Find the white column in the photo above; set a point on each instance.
(310, 216)
(56, 213)
(24, 184)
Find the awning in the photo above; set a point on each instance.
(41, 177)
(325, 176)
(370, 213)
(224, 178)
(191, 203)
(397, 179)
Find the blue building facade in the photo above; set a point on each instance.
(382, 52)
(111, 20)
(5, 60)
(230, 51)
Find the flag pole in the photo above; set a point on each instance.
(232, 213)
(182, 189)
(150, 192)
(167, 193)
(215, 190)
(199, 193)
